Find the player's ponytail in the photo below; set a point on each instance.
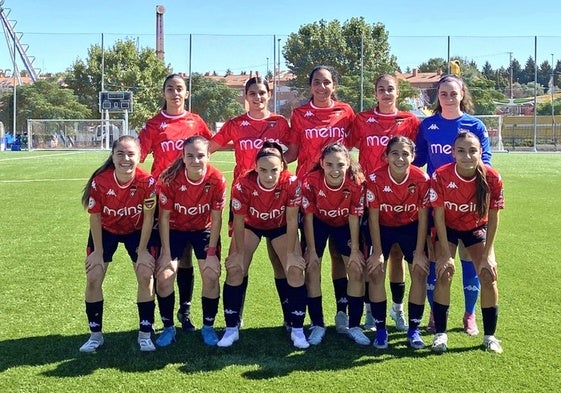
(106, 165)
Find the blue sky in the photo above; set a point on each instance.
(239, 35)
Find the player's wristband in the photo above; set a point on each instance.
(211, 252)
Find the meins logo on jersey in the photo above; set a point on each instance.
(268, 215)
(191, 210)
(124, 211)
(168, 146)
(325, 132)
(377, 140)
(255, 144)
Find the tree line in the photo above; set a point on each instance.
(357, 50)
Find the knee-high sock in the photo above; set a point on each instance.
(471, 285)
(232, 300)
(94, 312)
(296, 305)
(379, 313)
(166, 308)
(146, 315)
(340, 287)
(244, 291)
(431, 282)
(210, 309)
(398, 292)
(440, 312)
(185, 284)
(282, 289)
(490, 317)
(355, 310)
(315, 309)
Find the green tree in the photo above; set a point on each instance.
(433, 65)
(213, 100)
(44, 99)
(350, 48)
(484, 95)
(126, 68)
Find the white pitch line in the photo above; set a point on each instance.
(40, 180)
(34, 157)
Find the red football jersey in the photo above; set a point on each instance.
(457, 196)
(399, 203)
(163, 136)
(265, 209)
(121, 207)
(191, 203)
(248, 135)
(332, 206)
(313, 128)
(371, 132)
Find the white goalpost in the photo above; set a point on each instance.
(73, 134)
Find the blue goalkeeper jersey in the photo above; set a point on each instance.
(436, 136)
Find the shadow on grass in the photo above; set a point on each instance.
(270, 349)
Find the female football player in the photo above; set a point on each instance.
(333, 201)
(191, 199)
(466, 196)
(397, 201)
(265, 202)
(322, 121)
(121, 200)
(163, 136)
(372, 129)
(434, 145)
(248, 132)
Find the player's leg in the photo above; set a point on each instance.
(340, 282)
(233, 292)
(396, 274)
(471, 286)
(295, 292)
(185, 285)
(281, 283)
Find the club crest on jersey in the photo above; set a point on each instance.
(271, 124)
(277, 194)
(236, 204)
(206, 188)
(433, 196)
(346, 193)
(132, 191)
(412, 188)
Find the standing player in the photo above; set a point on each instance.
(191, 199)
(163, 136)
(265, 202)
(372, 129)
(434, 147)
(466, 196)
(333, 201)
(397, 200)
(314, 125)
(121, 200)
(248, 132)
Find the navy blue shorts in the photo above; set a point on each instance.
(178, 240)
(340, 235)
(469, 238)
(111, 241)
(404, 236)
(270, 234)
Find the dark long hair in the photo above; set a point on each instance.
(466, 105)
(171, 76)
(334, 78)
(106, 165)
(482, 190)
(178, 165)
